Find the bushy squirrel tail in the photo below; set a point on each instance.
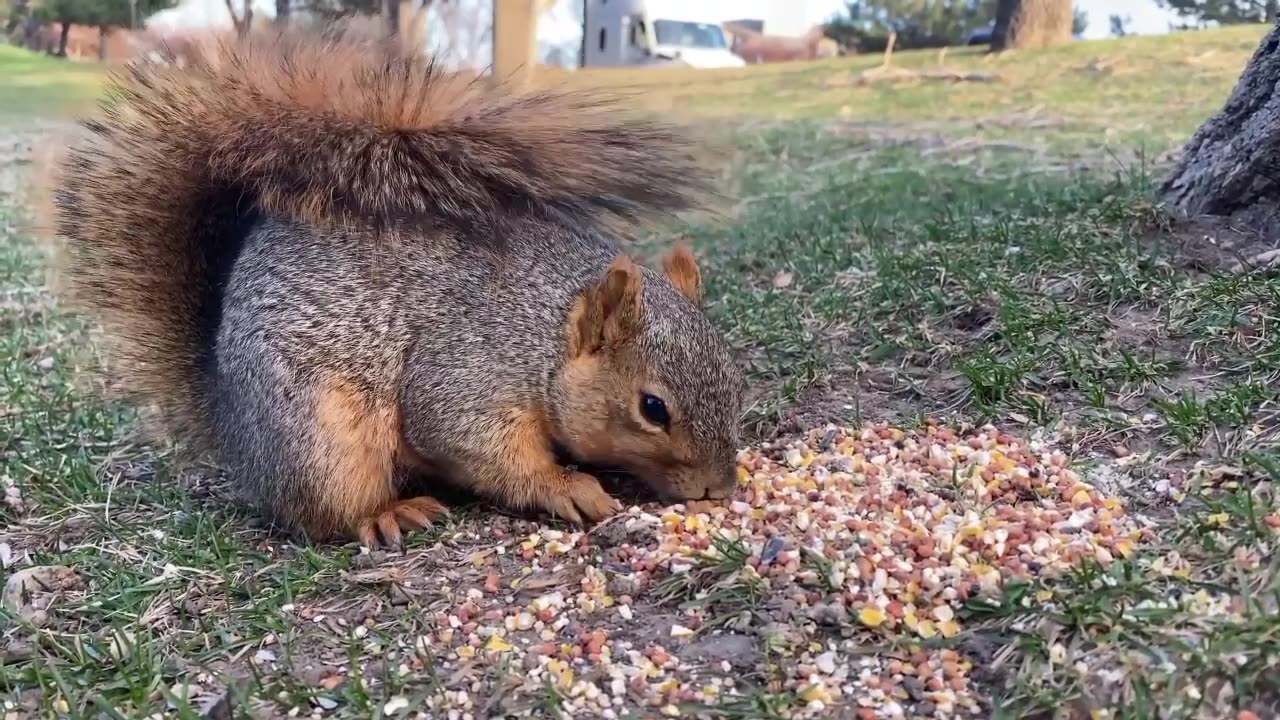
(328, 130)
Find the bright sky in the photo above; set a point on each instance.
(1147, 16)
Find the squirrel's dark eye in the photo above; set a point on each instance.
(654, 410)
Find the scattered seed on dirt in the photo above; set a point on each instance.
(841, 540)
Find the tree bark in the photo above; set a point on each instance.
(1031, 24)
(1229, 167)
(102, 43)
(242, 22)
(282, 12)
(515, 41)
(63, 36)
(415, 37)
(31, 35)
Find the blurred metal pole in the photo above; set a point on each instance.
(515, 41)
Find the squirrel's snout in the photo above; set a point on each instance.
(722, 491)
(706, 484)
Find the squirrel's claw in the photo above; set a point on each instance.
(384, 529)
(581, 500)
(418, 513)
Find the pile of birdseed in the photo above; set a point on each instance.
(834, 583)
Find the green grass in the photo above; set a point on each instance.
(1130, 92)
(977, 251)
(33, 84)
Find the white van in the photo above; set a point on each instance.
(646, 32)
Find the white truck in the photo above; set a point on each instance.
(619, 33)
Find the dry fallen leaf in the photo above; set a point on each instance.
(331, 682)
(24, 587)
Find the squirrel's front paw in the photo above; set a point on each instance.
(578, 498)
(385, 528)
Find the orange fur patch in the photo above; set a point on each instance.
(524, 441)
(681, 268)
(526, 474)
(357, 443)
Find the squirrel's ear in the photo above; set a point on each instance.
(611, 312)
(681, 269)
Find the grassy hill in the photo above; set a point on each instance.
(1014, 432)
(1140, 89)
(38, 85)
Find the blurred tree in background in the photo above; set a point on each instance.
(866, 24)
(917, 23)
(103, 14)
(1120, 25)
(1079, 21)
(1032, 24)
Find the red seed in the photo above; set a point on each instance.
(658, 655)
(596, 641)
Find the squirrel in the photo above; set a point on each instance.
(340, 271)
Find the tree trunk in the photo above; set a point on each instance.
(1031, 24)
(415, 37)
(31, 35)
(1229, 166)
(282, 12)
(63, 37)
(391, 17)
(515, 41)
(244, 21)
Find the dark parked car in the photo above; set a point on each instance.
(981, 36)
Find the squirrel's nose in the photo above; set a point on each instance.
(720, 492)
(726, 486)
